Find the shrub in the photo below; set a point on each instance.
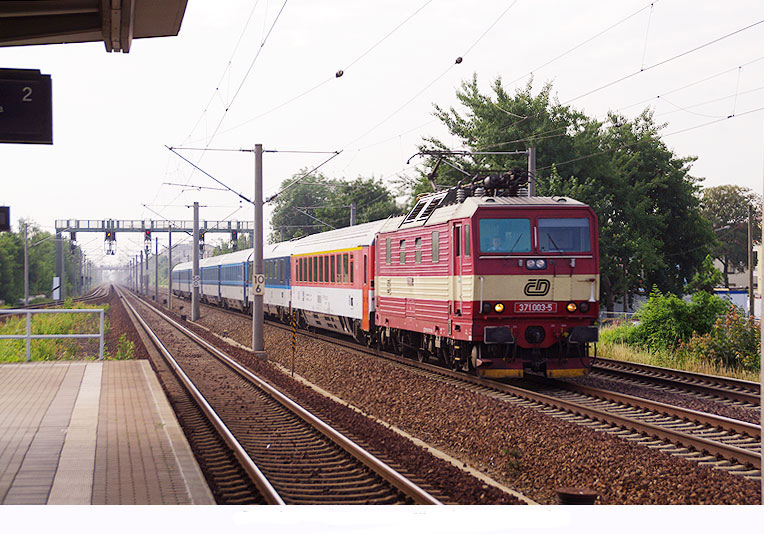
(666, 321)
(733, 341)
(125, 349)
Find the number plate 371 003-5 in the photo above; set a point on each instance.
(535, 307)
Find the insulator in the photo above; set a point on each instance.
(479, 192)
(461, 195)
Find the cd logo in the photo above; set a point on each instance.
(537, 287)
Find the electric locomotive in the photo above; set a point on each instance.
(498, 285)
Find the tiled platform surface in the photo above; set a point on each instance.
(92, 433)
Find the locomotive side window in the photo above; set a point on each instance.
(403, 251)
(388, 255)
(435, 246)
(505, 235)
(467, 246)
(564, 235)
(418, 250)
(458, 240)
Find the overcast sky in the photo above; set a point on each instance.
(273, 69)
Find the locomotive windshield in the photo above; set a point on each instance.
(505, 235)
(564, 235)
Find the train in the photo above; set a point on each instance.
(479, 280)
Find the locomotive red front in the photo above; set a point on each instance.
(495, 284)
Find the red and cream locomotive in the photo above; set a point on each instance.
(480, 281)
(494, 284)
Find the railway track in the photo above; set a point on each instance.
(718, 388)
(707, 439)
(289, 455)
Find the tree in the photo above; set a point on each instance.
(651, 229)
(317, 203)
(726, 207)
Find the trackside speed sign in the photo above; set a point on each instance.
(259, 284)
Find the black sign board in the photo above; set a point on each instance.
(5, 219)
(26, 109)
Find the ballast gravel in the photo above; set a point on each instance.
(519, 447)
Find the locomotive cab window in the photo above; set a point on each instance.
(504, 236)
(418, 250)
(564, 235)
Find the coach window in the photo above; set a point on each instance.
(403, 251)
(339, 268)
(388, 246)
(333, 267)
(467, 245)
(351, 269)
(365, 269)
(321, 276)
(418, 250)
(326, 269)
(315, 268)
(435, 246)
(344, 268)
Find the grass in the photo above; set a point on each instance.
(14, 350)
(623, 352)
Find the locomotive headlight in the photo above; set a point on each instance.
(540, 264)
(572, 307)
(584, 307)
(530, 264)
(486, 307)
(498, 307)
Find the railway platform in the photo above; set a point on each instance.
(92, 432)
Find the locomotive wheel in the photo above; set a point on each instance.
(422, 355)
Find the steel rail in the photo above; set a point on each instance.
(258, 478)
(727, 423)
(697, 382)
(394, 478)
(731, 452)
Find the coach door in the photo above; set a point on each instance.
(458, 258)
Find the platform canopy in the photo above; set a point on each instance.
(115, 22)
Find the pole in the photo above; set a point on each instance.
(751, 311)
(195, 279)
(63, 269)
(140, 289)
(532, 171)
(258, 281)
(156, 272)
(26, 265)
(169, 268)
(352, 214)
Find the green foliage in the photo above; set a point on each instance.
(707, 278)
(733, 341)
(125, 349)
(666, 321)
(42, 263)
(726, 207)
(651, 228)
(317, 203)
(58, 323)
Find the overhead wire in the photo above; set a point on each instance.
(333, 76)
